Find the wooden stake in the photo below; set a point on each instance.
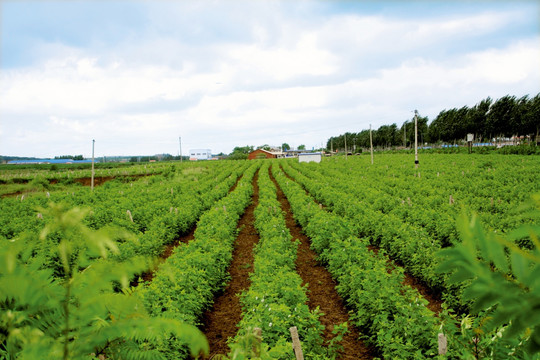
(443, 344)
(129, 214)
(257, 342)
(297, 347)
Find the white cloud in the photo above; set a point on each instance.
(272, 78)
(305, 57)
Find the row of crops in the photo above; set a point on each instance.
(70, 255)
(411, 215)
(80, 249)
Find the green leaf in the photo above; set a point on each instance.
(520, 266)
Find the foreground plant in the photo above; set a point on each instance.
(72, 302)
(504, 289)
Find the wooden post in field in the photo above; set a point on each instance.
(297, 347)
(129, 214)
(345, 145)
(257, 342)
(92, 181)
(371, 143)
(416, 139)
(443, 344)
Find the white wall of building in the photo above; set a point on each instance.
(307, 157)
(200, 154)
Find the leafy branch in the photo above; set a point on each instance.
(504, 283)
(80, 311)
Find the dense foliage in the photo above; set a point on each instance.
(506, 117)
(462, 225)
(276, 299)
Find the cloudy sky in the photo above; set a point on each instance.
(137, 75)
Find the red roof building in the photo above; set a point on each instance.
(262, 154)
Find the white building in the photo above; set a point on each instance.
(200, 154)
(307, 157)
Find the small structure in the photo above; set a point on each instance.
(200, 154)
(264, 154)
(293, 153)
(308, 157)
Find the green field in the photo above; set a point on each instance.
(450, 247)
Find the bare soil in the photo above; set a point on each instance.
(219, 323)
(100, 180)
(322, 292)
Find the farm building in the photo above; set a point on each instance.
(308, 157)
(200, 154)
(264, 154)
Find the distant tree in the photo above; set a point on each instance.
(302, 147)
(76, 157)
(477, 118)
(285, 147)
(264, 147)
(362, 139)
(501, 116)
(240, 152)
(531, 116)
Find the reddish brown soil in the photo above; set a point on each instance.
(322, 292)
(100, 180)
(219, 323)
(97, 180)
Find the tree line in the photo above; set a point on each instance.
(506, 117)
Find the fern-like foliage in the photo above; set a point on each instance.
(504, 286)
(67, 304)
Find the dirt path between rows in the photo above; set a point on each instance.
(322, 292)
(219, 323)
(433, 298)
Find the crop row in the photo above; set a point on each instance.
(150, 212)
(66, 173)
(411, 245)
(433, 195)
(185, 284)
(276, 299)
(394, 316)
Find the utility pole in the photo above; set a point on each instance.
(416, 139)
(92, 181)
(405, 135)
(345, 135)
(371, 143)
(180, 141)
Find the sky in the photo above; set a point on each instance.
(136, 76)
